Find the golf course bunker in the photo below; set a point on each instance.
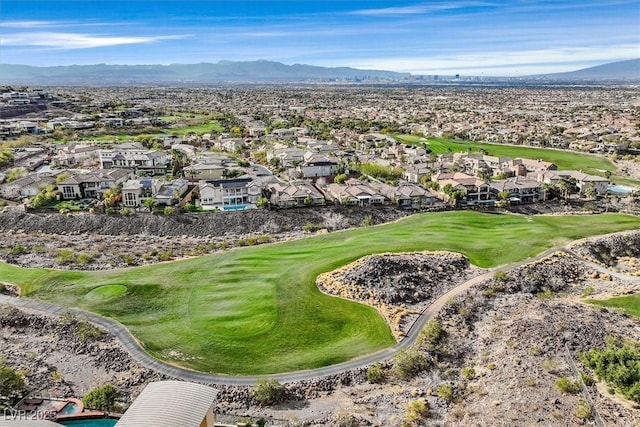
(399, 285)
(105, 292)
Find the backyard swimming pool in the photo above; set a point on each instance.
(620, 189)
(100, 422)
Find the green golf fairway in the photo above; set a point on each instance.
(256, 310)
(630, 303)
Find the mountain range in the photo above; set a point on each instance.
(256, 72)
(620, 70)
(204, 73)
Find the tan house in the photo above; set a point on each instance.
(355, 193)
(583, 180)
(407, 195)
(93, 184)
(298, 193)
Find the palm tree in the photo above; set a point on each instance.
(150, 204)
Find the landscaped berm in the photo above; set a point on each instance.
(256, 310)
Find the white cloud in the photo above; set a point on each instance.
(417, 9)
(26, 24)
(55, 40)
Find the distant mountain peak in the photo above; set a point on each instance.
(619, 70)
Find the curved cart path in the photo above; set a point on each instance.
(134, 348)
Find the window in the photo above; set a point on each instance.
(68, 192)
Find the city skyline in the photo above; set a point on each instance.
(469, 37)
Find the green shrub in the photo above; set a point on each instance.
(619, 365)
(376, 373)
(445, 392)
(431, 334)
(66, 256)
(126, 212)
(583, 411)
(84, 259)
(11, 382)
(546, 294)
(102, 398)
(409, 362)
(415, 412)
(86, 332)
(18, 249)
(168, 210)
(268, 392)
(340, 178)
(367, 221)
(500, 276)
(565, 385)
(311, 227)
(586, 378)
(468, 373)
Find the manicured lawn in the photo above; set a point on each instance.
(630, 303)
(256, 310)
(564, 159)
(197, 129)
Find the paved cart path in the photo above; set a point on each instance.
(134, 348)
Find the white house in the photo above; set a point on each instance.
(228, 194)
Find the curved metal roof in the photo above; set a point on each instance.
(170, 404)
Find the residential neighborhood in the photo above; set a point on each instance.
(275, 154)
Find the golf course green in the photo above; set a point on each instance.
(256, 310)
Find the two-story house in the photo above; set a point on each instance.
(228, 194)
(520, 189)
(141, 160)
(93, 184)
(316, 166)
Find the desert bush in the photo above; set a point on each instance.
(84, 259)
(415, 412)
(18, 249)
(345, 419)
(311, 227)
(431, 334)
(565, 385)
(86, 332)
(376, 373)
(468, 373)
(445, 392)
(66, 256)
(268, 392)
(546, 294)
(583, 411)
(550, 365)
(500, 276)
(409, 362)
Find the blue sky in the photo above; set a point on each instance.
(468, 37)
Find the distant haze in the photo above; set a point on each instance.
(256, 72)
